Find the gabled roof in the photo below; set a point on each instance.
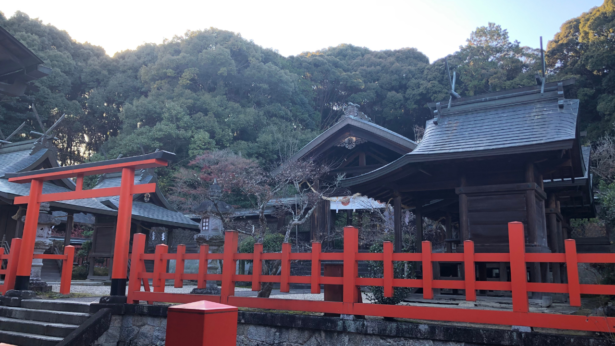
(378, 134)
(511, 123)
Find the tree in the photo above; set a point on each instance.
(584, 48)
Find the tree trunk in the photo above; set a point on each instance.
(266, 289)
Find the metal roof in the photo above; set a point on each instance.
(529, 123)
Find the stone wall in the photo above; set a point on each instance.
(146, 325)
(134, 330)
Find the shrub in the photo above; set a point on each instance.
(80, 273)
(376, 270)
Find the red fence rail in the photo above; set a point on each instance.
(519, 316)
(12, 260)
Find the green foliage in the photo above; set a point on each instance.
(272, 242)
(376, 270)
(80, 272)
(584, 49)
(607, 202)
(212, 89)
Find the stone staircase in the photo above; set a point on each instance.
(40, 322)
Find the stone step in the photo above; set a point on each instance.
(34, 327)
(55, 305)
(44, 315)
(23, 339)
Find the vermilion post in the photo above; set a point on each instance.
(122, 234)
(179, 266)
(257, 267)
(470, 270)
(201, 281)
(160, 267)
(11, 268)
(285, 270)
(518, 271)
(572, 268)
(427, 270)
(315, 278)
(351, 247)
(24, 264)
(228, 266)
(67, 269)
(387, 263)
(134, 284)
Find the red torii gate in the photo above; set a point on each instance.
(127, 166)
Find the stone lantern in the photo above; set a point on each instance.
(43, 230)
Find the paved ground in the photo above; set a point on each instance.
(94, 292)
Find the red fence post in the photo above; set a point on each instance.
(11, 267)
(387, 263)
(518, 271)
(228, 266)
(134, 284)
(201, 281)
(351, 269)
(67, 269)
(179, 266)
(315, 278)
(122, 234)
(160, 267)
(24, 263)
(285, 270)
(427, 270)
(572, 268)
(469, 270)
(257, 267)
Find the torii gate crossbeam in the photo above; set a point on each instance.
(127, 189)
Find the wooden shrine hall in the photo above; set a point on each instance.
(352, 146)
(488, 160)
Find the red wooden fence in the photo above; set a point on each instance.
(519, 316)
(12, 260)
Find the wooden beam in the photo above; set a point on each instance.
(94, 193)
(70, 173)
(362, 159)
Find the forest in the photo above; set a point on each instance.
(212, 89)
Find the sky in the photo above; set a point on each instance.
(435, 27)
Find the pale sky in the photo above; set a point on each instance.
(435, 27)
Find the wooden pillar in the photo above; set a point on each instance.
(530, 198)
(70, 222)
(449, 233)
(362, 160)
(464, 227)
(419, 226)
(397, 223)
(553, 236)
(503, 271)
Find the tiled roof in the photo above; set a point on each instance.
(503, 127)
(19, 160)
(153, 213)
(86, 205)
(532, 124)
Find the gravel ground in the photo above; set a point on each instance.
(300, 294)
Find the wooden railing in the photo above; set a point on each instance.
(12, 260)
(518, 259)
